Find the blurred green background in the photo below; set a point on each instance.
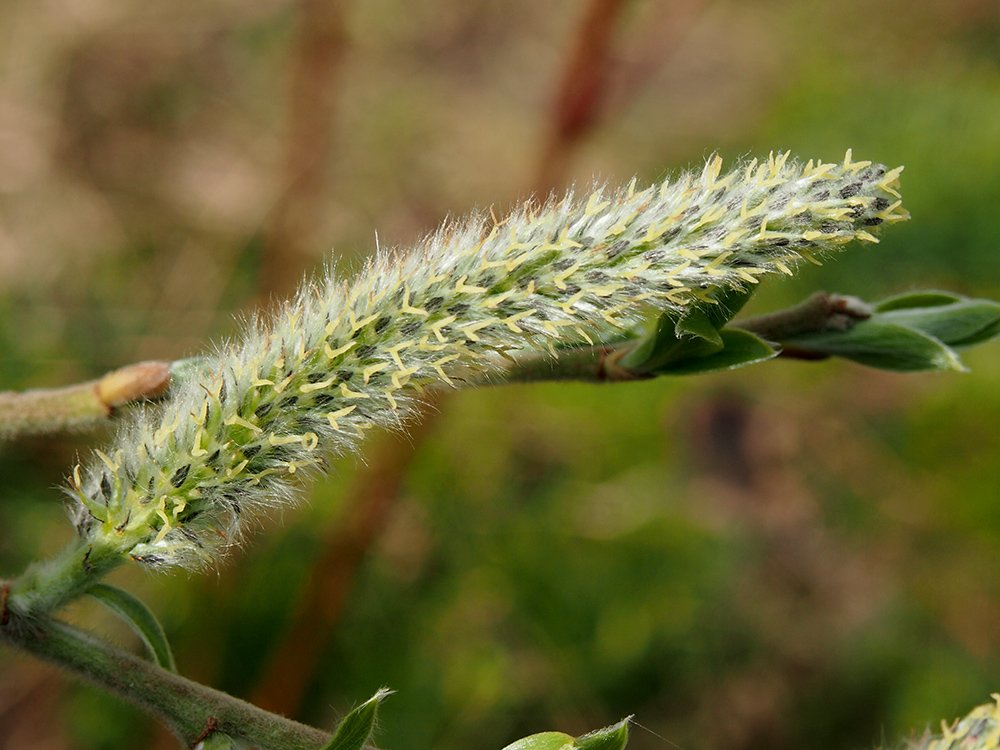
(790, 556)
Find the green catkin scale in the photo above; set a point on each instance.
(343, 358)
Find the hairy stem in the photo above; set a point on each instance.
(45, 586)
(192, 711)
(80, 406)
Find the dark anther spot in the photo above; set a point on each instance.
(262, 410)
(287, 402)
(105, 487)
(458, 308)
(345, 375)
(410, 328)
(850, 190)
(382, 323)
(180, 475)
(881, 204)
(315, 377)
(617, 248)
(365, 351)
(433, 303)
(250, 451)
(872, 221)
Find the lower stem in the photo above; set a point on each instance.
(191, 710)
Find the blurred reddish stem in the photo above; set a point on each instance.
(650, 53)
(308, 150)
(580, 93)
(328, 587)
(370, 505)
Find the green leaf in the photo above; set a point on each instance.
(696, 333)
(959, 323)
(699, 325)
(614, 737)
(986, 334)
(728, 302)
(217, 741)
(354, 729)
(910, 332)
(739, 348)
(923, 298)
(887, 346)
(140, 618)
(543, 741)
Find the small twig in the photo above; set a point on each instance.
(819, 312)
(80, 406)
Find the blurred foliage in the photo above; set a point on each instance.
(787, 556)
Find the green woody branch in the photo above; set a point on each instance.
(191, 710)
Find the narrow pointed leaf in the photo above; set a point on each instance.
(695, 334)
(354, 729)
(669, 344)
(543, 741)
(698, 324)
(739, 349)
(654, 346)
(991, 331)
(883, 345)
(923, 298)
(614, 737)
(140, 618)
(966, 321)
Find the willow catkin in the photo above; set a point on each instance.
(345, 357)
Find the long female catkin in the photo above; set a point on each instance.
(342, 358)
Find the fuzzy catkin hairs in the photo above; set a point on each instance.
(345, 357)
